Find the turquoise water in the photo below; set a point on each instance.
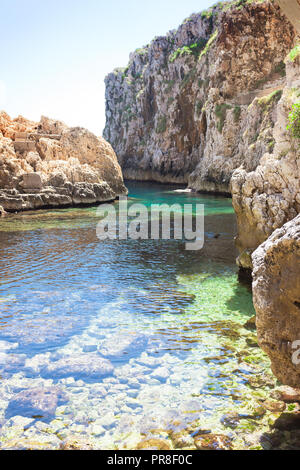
(117, 341)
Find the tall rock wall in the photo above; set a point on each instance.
(269, 196)
(276, 295)
(187, 109)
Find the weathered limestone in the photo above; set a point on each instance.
(291, 9)
(187, 108)
(31, 181)
(47, 164)
(269, 196)
(276, 295)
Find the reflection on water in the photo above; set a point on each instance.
(115, 340)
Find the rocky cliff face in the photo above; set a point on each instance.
(200, 102)
(48, 164)
(276, 294)
(269, 196)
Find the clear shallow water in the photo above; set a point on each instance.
(118, 341)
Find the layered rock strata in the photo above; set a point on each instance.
(47, 164)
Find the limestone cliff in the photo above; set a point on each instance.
(269, 196)
(48, 164)
(276, 294)
(191, 106)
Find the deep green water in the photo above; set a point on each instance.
(170, 322)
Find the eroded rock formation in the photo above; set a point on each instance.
(269, 196)
(276, 294)
(48, 164)
(202, 101)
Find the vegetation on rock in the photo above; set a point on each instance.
(220, 111)
(294, 121)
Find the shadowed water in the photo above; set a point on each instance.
(126, 337)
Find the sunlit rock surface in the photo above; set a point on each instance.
(276, 291)
(186, 108)
(268, 197)
(48, 164)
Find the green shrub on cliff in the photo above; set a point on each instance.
(220, 111)
(294, 121)
(266, 102)
(161, 125)
(280, 68)
(294, 53)
(237, 113)
(199, 106)
(209, 43)
(192, 49)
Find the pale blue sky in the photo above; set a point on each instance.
(56, 53)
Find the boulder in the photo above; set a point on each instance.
(39, 401)
(31, 181)
(55, 166)
(81, 366)
(276, 296)
(123, 346)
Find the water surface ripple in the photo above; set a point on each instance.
(116, 341)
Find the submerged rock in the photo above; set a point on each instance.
(36, 401)
(154, 444)
(76, 443)
(251, 323)
(288, 394)
(182, 439)
(213, 442)
(231, 420)
(123, 346)
(274, 406)
(288, 421)
(81, 366)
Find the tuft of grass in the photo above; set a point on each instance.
(161, 125)
(212, 38)
(280, 68)
(270, 99)
(294, 53)
(141, 51)
(294, 121)
(199, 106)
(220, 112)
(192, 49)
(237, 113)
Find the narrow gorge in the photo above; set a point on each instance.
(115, 333)
(215, 105)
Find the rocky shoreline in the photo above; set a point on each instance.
(48, 165)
